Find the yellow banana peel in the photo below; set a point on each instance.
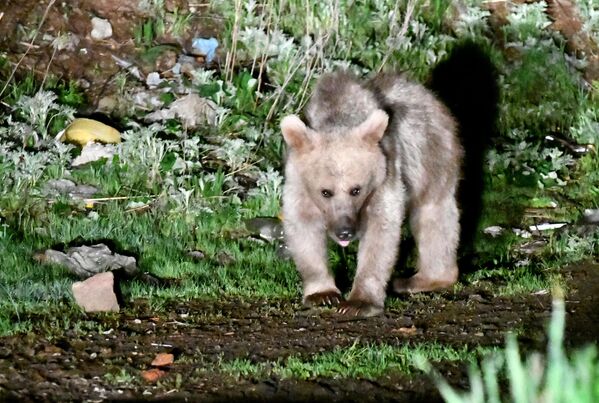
(82, 131)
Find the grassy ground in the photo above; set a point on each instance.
(194, 180)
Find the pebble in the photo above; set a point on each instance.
(101, 29)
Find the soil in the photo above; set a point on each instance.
(92, 63)
(72, 365)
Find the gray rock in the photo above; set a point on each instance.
(153, 79)
(591, 216)
(101, 29)
(57, 187)
(196, 255)
(86, 261)
(96, 294)
(192, 110)
(267, 228)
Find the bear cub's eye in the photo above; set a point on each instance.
(355, 191)
(326, 193)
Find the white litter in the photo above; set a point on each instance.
(547, 226)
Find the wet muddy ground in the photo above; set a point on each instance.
(72, 364)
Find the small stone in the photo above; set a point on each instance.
(196, 255)
(409, 331)
(163, 360)
(86, 261)
(152, 375)
(59, 186)
(191, 109)
(153, 79)
(476, 298)
(591, 216)
(96, 294)
(107, 104)
(101, 29)
(493, 230)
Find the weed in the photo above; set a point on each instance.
(357, 361)
(122, 377)
(553, 378)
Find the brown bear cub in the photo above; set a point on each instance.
(368, 153)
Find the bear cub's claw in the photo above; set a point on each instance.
(359, 308)
(325, 298)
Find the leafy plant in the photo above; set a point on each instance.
(552, 378)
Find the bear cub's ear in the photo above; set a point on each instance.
(295, 133)
(373, 128)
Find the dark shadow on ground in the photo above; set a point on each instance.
(466, 81)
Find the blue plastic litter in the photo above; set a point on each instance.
(207, 47)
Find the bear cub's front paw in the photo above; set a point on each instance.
(325, 298)
(358, 308)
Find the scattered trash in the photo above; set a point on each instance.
(93, 152)
(86, 261)
(268, 228)
(546, 226)
(96, 294)
(101, 29)
(82, 131)
(204, 47)
(163, 360)
(191, 109)
(160, 344)
(66, 187)
(494, 231)
(152, 375)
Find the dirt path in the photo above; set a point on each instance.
(73, 366)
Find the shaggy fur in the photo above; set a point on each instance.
(370, 152)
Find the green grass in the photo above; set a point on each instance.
(555, 377)
(357, 361)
